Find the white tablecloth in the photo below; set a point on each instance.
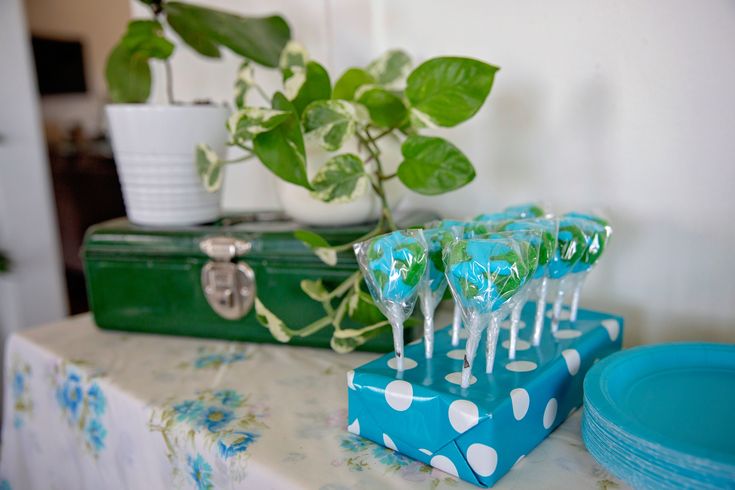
(85, 408)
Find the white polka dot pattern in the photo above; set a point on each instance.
(388, 442)
(445, 464)
(408, 363)
(521, 366)
(457, 354)
(550, 413)
(613, 328)
(571, 357)
(354, 427)
(520, 400)
(399, 395)
(566, 334)
(463, 415)
(482, 459)
(456, 378)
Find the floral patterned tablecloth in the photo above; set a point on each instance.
(86, 408)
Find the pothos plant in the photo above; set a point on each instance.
(203, 29)
(387, 98)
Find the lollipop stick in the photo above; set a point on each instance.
(538, 323)
(491, 343)
(473, 340)
(397, 326)
(515, 320)
(426, 307)
(456, 325)
(556, 311)
(575, 296)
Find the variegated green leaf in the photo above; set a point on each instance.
(275, 325)
(342, 343)
(209, 167)
(391, 69)
(205, 158)
(331, 122)
(341, 179)
(386, 108)
(327, 255)
(247, 123)
(347, 333)
(351, 80)
(293, 80)
(213, 179)
(304, 85)
(315, 289)
(245, 80)
(293, 54)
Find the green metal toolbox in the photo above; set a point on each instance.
(201, 281)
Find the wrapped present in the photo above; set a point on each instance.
(478, 433)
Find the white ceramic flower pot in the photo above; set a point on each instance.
(154, 147)
(298, 203)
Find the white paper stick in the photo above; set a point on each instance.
(556, 311)
(398, 343)
(515, 320)
(456, 325)
(491, 345)
(579, 282)
(428, 311)
(538, 323)
(473, 340)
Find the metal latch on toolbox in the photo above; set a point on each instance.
(228, 285)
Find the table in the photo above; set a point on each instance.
(87, 408)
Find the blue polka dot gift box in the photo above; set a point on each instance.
(480, 432)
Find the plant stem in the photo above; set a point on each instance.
(387, 177)
(238, 160)
(372, 147)
(262, 93)
(169, 82)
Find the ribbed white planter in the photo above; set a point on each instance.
(154, 148)
(298, 203)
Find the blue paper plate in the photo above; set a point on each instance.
(664, 410)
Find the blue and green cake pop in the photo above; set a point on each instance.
(597, 232)
(435, 281)
(394, 266)
(572, 241)
(483, 274)
(547, 247)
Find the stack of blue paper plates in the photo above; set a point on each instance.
(663, 416)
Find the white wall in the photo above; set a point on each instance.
(98, 24)
(624, 105)
(33, 293)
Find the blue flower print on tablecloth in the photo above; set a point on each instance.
(359, 454)
(95, 433)
(364, 455)
(235, 443)
(207, 357)
(228, 398)
(215, 418)
(221, 423)
(82, 403)
(188, 410)
(200, 472)
(20, 374)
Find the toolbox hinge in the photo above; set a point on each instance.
(228, 285)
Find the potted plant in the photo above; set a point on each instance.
(350, 121)
(154, 144)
